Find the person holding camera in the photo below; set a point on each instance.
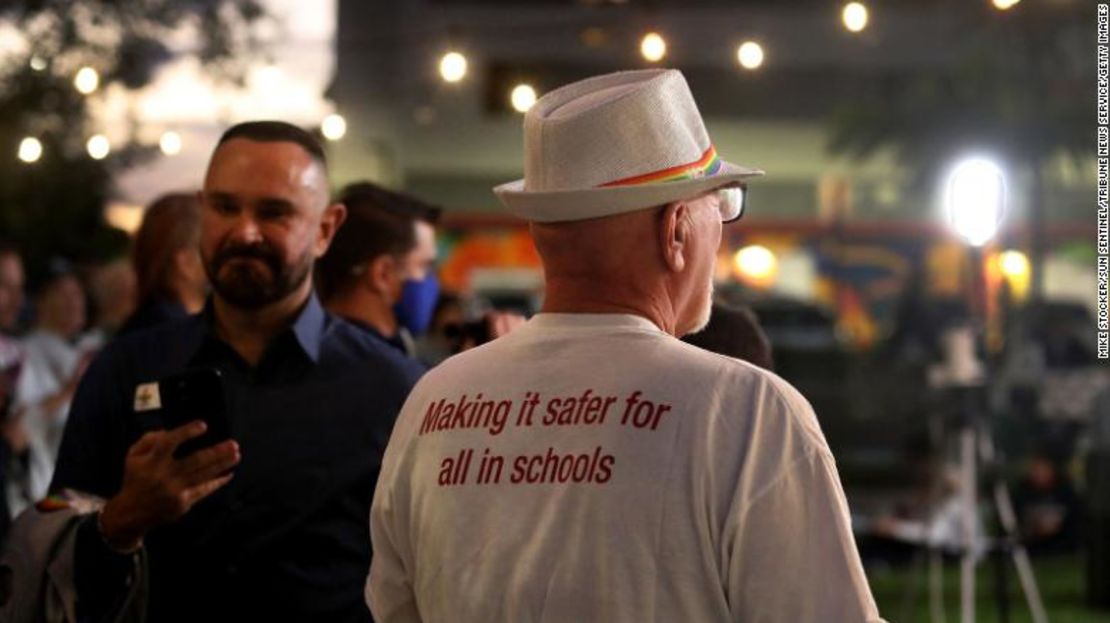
(269, 522)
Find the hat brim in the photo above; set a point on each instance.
(576, 205)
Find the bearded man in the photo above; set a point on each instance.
(269, 525)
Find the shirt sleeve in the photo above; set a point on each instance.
(100, 575)
(389, 590)
(792, 557)
(390, 593)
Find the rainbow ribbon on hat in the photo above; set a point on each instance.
(707, 165)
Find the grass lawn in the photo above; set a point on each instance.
(1061, 580)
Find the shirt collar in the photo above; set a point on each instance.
(396, 341)
(592, 321)
(308, 327)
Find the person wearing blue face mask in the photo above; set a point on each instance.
(380, 270)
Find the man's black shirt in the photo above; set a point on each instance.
(288, 538)
(151, 313)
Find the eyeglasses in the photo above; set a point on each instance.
(731, 201)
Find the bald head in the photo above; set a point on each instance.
(621, 248)
(281, 171)
(306, 167)
(657, 262)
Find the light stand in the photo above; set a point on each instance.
(974, 202)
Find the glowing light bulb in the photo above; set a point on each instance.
(30, 149)
(756, 264)
(855, 16)
(653, 47)
(98, 147)
(750, 55)
(1014, 264)
(334, 127)
(87, 80)
(170, 143)
(523, 97)
(452, 67)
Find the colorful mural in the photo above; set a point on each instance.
(463, 252)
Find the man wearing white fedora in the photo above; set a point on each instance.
(589, 466)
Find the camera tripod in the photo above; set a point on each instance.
(976, 453)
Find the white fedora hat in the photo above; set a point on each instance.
(615, 143)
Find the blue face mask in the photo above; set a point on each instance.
(418, 301)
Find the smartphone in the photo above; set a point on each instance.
(196, 394)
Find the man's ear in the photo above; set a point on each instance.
(382, 272)
(330, 222)
(674, 232)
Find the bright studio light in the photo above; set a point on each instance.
(452, 67)
(98, 147)
(1003, 5)
(756, 264)
(30, 149)
(974, 199)
(87, 80)
(523, 97)
(653, 47)
(855, 16)
(334, 127)
(750, 55)
(170, 143)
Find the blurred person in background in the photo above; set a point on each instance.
(459, 324)
(166, 259)
(379, 273)
(11, 362)
(11, 288)
(54, 363)
(735, 332)
(442, 339)
(112, 292)
(1048, 508)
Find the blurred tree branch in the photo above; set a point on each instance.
(55, 205)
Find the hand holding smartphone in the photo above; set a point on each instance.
(196, 394)
(185, 456)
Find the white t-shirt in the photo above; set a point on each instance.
(589, 467)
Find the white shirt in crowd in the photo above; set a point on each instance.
(50, 362)
(593, 468)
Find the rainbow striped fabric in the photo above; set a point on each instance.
(52, 503)
(707, 165)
